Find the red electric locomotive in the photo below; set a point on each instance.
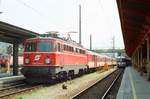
(47, 58)
(53, 57)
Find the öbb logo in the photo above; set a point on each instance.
(37, 57)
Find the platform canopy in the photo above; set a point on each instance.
(135, 22)
(13, 34)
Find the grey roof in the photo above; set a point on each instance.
(14, 34)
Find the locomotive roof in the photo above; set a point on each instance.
(59, 39)
(97, 54)
(100, 55)
(69, 42)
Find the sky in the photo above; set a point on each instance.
(99, 18)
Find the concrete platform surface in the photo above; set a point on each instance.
(5, 75)
(134, 86)
(11, 79)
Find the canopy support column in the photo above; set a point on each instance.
(15, 59)
(147, 63)
(138, 60)
(141, 60)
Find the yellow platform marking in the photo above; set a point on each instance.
(132, 85)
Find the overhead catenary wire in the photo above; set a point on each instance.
(42, 15)
(30, 7)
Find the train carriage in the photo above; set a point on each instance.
(95, 60)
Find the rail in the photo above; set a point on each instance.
(106, 84)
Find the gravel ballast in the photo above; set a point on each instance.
(73, 87)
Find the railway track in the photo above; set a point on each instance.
(19, 87)
(100, 89)
(15, 89)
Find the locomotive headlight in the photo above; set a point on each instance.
(27, 60)
(47, 61)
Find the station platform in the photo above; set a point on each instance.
(5, 75)
(133, 85)
(10, 79)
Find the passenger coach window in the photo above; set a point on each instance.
(72, 48)
(76, 50)
(58, 47)
(93, 58)
(64, 47)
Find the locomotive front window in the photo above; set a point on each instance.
(30, 47)
(44, 46)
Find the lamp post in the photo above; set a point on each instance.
(0, 9)
(80, 40)
(90, 42)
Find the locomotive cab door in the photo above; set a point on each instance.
(59, 49)
(61, 56)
